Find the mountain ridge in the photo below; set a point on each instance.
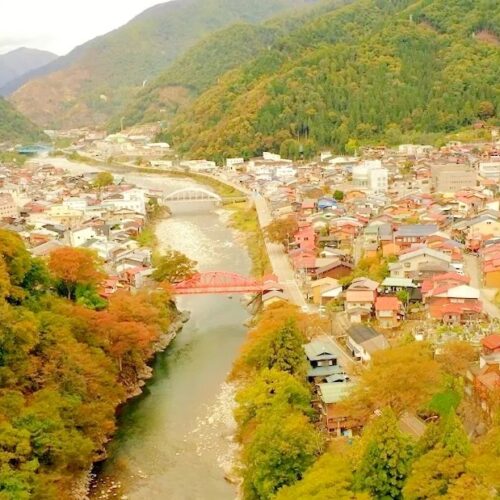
(18, 62)
(92, 82)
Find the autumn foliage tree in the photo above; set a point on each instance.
(74, 266)
(173, 266)
(64, 367)
(281, 230)
(401, 378)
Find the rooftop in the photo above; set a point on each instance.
(333, 393)
(321, 348)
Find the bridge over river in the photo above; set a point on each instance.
(225, 282)
(199, 194)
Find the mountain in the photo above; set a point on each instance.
(18, 62)
(92, 82)
(201, 66)
(373, 71)
(15, 128)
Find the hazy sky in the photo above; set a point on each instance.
(60, 25)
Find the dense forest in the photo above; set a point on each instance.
(371, 71)
(208, 60)
(15, 128)
(67, 360)
(284, 455)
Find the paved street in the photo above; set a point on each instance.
(279, 260)
(473, 269)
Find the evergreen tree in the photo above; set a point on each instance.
(384, 461)
(285, 350)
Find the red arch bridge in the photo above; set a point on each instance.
(224, 282)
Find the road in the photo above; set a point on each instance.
(279, 260)
(473, 269)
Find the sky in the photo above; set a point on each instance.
(61, 25)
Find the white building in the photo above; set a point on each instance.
(271, 156)
(132, 199)
(490, 169)
(285, 171)
(75, 203)
(78, 237)
(371, 175)
(234, 163)
(199, 165)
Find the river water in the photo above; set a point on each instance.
(173, 442)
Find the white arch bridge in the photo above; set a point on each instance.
(200, 195)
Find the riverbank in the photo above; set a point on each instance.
(244, 220)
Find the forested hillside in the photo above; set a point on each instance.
(15, 128)
(202, 65)
(67, 360)
(93, 81)
(195, 72)
(373, 71)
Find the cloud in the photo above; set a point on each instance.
(60, 25)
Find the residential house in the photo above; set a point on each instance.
(409, 235)
(271, 297)
(482, 381)
(337, 420)
(490, 262)
(322, 356)
(331, 268)
(305, 237)
(363, 341)
(360, 299)
(414, 264)
(389, 311)
(450, 302)
(325, 289)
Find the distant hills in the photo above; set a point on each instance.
(15, 128)
(19, 62)
(94, 81)
(384, 71)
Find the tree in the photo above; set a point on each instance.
(281, 449)
(330, 477)
(173, 267)
(281, 230)
(103, 179)
(338, 195)
(351, 146)
(73, 267)
(485, 110)
(255, 350)
(384, 458)
(442, 465)
(279, 348)
(273, 390)
(401, 378)
(404, 297)
(456, 356)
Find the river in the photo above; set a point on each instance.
(173, 441)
